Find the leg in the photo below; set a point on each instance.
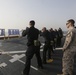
(44, 54)
(68, 61)
(38, 57)
(49, 53)
(50, 49)
(29, 55)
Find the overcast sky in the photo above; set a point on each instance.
(49, 13)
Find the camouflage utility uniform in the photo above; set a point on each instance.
(69, 49)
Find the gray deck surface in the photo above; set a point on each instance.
(13, 63)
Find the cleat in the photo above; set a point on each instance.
(50, 60)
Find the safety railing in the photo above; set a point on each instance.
(11, 33)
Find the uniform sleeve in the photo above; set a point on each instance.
(25, 32)
(68, 40)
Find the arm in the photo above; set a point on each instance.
(25, 32)
(68, 40)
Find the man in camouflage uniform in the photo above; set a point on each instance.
(69, 49)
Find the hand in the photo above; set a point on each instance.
(63, 49)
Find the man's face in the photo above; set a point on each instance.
(68, 24)
(29, 24)
(43, 29)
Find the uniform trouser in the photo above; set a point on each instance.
(29, 54)
(46, 48)
(55, 43)
(50, 50)
(59, 41)
(68, 62)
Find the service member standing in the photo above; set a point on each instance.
(69, 49)
(33, 47)
(60, 32)
(56, 38)
(47, 46)
(52, 39)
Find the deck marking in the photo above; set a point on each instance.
(17, 58)
(31, 65)
(3, 65)
(22, 51)
(12, 52)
